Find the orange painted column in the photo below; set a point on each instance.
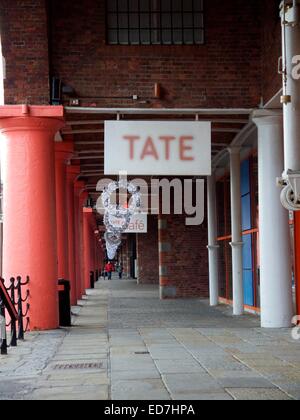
(297, 258)
(82, 201)
(87, 245)
(79, 196)
(94, 244)
(97, 250)
(72, 173)
(29, 229)
(63, 152)
(93, 252)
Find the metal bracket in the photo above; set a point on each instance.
(290, 194)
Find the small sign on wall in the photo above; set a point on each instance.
(138, 224)
(158, 148)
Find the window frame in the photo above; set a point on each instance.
(160, 43)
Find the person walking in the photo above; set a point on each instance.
(109, 268)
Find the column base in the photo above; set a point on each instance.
(167, 292)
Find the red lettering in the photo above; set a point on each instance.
(149, 149)
(183, 148)
(167, 140)
(131, 140)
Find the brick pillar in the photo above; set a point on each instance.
(126, 257)
(147, 254)
(167, 288)
(183, 260)
(25, 48)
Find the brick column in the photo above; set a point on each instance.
(167, 287)
(183, 259)
(147, 254)
(126, 257)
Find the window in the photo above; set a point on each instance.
(155, 22)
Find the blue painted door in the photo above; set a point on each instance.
(248, 270)
(248, 277)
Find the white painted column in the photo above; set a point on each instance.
(236, 231)
(291, 110)
(212, 241)
(275, 244)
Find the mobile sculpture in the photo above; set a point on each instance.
(117, 217)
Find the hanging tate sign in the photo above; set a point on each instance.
(157, 148)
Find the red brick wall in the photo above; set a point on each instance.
(235, 67)
(183, 259)
(24, 40)
(271, 42)
(147, 253)
(225, 72)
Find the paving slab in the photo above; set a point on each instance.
(150, 389)
(172, 366)
(258, 394)
(192, 383)
(128, 375)
(212, 396)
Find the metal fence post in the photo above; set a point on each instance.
(13, 321)
(20, 310)
(3, 348)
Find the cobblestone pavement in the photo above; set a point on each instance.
(127, 344)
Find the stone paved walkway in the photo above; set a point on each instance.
(126, 344)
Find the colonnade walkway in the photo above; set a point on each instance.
(127, 344)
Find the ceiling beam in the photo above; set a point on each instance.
(87, 131)
(213, 120)
(158, 111)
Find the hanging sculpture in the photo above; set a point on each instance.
(117, 216)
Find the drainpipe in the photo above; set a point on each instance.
(289, 11)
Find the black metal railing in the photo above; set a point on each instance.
(13, 302)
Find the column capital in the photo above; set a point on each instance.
(87, 210)
(28, 118)
(234, 150)
(262, 117)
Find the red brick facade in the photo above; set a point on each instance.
(224, 72)
(24, 41)
(147, 254)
